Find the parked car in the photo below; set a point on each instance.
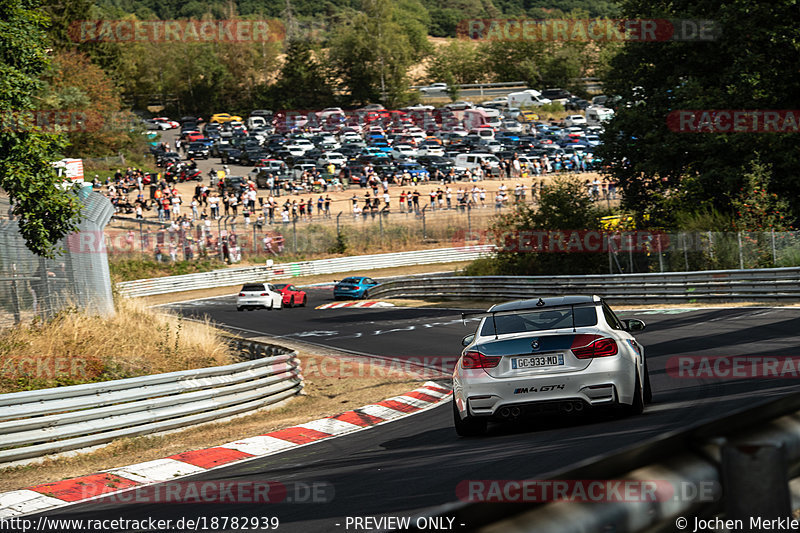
(235, 183)
(575, 120)
(291, 295)
(254, 296)
(557, 95)
(353, 287)
(197, 150)
(434, 88)
(338, 160)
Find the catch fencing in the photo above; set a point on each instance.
(236, 276)
(42, 422)
(32, 286)
(775, 284)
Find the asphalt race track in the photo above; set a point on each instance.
(412, 465)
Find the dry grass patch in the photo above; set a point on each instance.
(75, 348)
(337, 385)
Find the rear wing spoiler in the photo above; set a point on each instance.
(539, 305)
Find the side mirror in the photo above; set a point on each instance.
(633, 324)
(467, 340)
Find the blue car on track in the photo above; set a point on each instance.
(353, 287)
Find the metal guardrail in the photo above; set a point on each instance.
(482, 85)
(41, 422)
(730, 285)
(739, 467)
(236, 276)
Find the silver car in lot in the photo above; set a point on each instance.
(554, 355)
(258, 296)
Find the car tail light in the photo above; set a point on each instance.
(264, 294)
(472, 360)
(600, 348)
(241, 294)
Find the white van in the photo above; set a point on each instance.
(472, 161)
(528, 97)
(596, 115)
(256, 122)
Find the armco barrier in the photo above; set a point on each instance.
(41, 422)
(738, 465)
(235, 276)
(728, 285)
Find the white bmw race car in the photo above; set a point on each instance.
(259, 296)
(548, 355)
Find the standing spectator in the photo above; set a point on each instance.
(403, 197)
(213, 201)
(234, 203)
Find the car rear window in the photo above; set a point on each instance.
(540, 320)
(253, 287)
(350, 280)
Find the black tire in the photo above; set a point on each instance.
(648, 390)
(290, 303)
(365, 295)
(469, 426)
(304, 302)
(637, 407)
(240, 309)
(270, 307)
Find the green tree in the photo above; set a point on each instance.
(756, 208)
(75, 84)
(45, 212)
(563, 205)
(515, 60)
(460, 60)
(372, 53)
(303, 82)
(751, 64)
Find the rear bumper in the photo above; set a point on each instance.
(602, 384)
(348, 294)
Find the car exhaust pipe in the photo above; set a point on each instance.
(504, 412)
(566, 407)
(515, 412)
(578, 406)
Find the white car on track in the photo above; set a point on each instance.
(554, 355)
(259, 296)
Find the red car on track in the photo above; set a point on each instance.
(291, 295)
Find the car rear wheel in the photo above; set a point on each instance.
(289, 303)
(470, 426)
(303, 303)
(365, 295)
(648, 390)
(637, 407)
(240, 309)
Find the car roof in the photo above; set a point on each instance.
(536, 303)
